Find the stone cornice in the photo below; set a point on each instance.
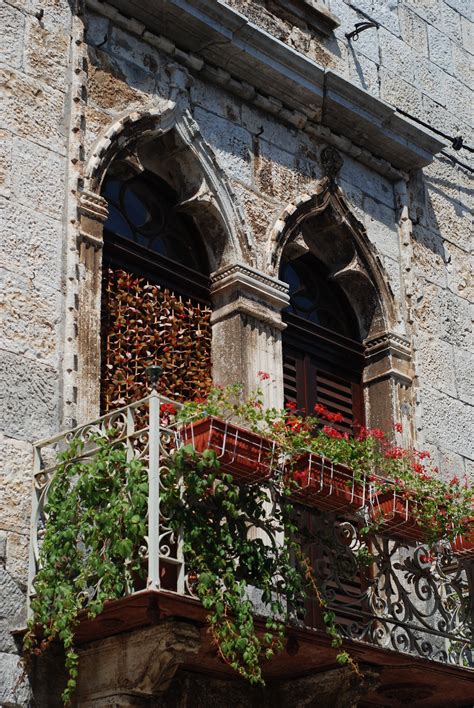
(242, 52)
(388, 342)
(241, 279)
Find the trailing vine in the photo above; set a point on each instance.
(92, 551)
(236, 575)
(96, 524)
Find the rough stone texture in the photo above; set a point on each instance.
(16, 483)
(232, 145)
(33, 111)
(448, 423)
(29, 317)
(28, 397)
(31, 244)
(11, 38)
(46, 54)
(14, 692)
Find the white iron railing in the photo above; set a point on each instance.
(408, 601)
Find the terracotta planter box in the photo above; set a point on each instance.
(395, 515)
(326, 485)
(464, 545)
(398, 520)
(246, 455)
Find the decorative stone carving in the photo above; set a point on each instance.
(331, 161)
(388, 355)
(93, 212)
(336, 688)
(131, 668)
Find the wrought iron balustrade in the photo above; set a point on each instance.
(402, 598)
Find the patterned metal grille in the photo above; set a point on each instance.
(145, 324)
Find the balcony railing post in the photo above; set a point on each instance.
(154, 494)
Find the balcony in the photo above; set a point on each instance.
(405, 613)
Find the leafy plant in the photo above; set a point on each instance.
(235, 574)
(96, 523)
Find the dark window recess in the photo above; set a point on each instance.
(145, 232)
(323, 363)
(155, 294)
(322, 357)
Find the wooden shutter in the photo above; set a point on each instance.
(323, 367)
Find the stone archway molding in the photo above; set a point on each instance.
(151, 123)
(388, 373)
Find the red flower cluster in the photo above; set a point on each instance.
(290, 405)
(295, 425)
(398, 427)
(395, 453)
(377, 433)
(333, 433)
(263, 376)
(168, 409)
(299, 476)
(325, 413)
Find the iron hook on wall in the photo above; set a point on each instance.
(360, 27)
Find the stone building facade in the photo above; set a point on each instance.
(273, 128)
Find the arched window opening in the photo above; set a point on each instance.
(323, 362)
(155, 293)
(323, 357)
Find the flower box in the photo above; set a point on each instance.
(326, 485)
(246, 455)
(464, 545)
(395, 515)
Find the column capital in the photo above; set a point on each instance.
(93, 212)
(240, 289)
(388, 355)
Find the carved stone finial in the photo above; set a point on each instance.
(331, 161)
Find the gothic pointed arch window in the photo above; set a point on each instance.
(323, 357)
(155, 293)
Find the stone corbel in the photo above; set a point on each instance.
(93, 213)
(130, 669)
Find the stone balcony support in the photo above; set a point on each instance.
(130, 669)
(247, 327)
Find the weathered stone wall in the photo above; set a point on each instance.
(61, 96)
(34, 140)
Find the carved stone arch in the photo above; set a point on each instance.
(165, 141)
(168, 142)
(323, 224)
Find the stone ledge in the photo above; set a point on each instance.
(311, 13)
(225, 38)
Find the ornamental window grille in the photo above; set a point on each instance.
(155, 294)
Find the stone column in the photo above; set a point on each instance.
(388, 378)
(130, 669)
(246, 329)
(93, 213)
